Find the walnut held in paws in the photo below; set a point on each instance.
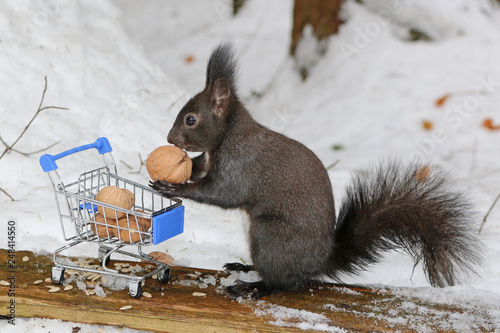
(169, 163)
(115, 196)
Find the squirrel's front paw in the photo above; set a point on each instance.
(167, 189)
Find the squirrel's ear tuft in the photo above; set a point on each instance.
(221, 93)
(222, 65)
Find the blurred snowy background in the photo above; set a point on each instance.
(408, 78)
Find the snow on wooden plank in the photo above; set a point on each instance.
(173, 307)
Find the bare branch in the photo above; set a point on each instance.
(11, 147)
(52, 107)
(30, 153)
(141, 161)
(40, 109)
(488, 213)
(128, 166)
(7, 194)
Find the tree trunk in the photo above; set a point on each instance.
(237, 4)
(322, 16)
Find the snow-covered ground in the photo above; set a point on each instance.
(125, 68)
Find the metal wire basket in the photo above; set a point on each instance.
(152, 219)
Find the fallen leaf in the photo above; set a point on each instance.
(423, 173)
(488, 123)
(442, 100)
(427, 125)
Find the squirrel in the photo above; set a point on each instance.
(294, 235)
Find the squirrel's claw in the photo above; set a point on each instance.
(241, 289)
(237, 267)
(167, 189)
(252, 290)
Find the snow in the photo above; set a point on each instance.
(305, 320)
(122, 70)
(37, 325)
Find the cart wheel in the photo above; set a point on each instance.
(57, 276)
(135, 288)
(107, 261)
(101, 254)
(164, 275)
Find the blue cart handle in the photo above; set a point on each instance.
(48, 162)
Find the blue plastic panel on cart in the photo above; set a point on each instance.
(168, 224)
(90, 207)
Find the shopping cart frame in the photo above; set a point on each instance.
(79, 211)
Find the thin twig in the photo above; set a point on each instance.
(38, 151)
(40, 109)
(52, 107)
(30, 153)
(488, 213)
(7, 194)
(140, 166)
(128, 166)
(333, 165)
(11, 147)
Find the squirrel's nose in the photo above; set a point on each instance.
(175, 138)
(170, 138)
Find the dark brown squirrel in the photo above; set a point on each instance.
(285, 189)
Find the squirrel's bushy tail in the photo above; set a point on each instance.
(411, 209)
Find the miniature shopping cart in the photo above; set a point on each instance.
(81, 221)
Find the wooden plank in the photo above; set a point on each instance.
(173, 308)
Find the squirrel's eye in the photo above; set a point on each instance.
(190, 120)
